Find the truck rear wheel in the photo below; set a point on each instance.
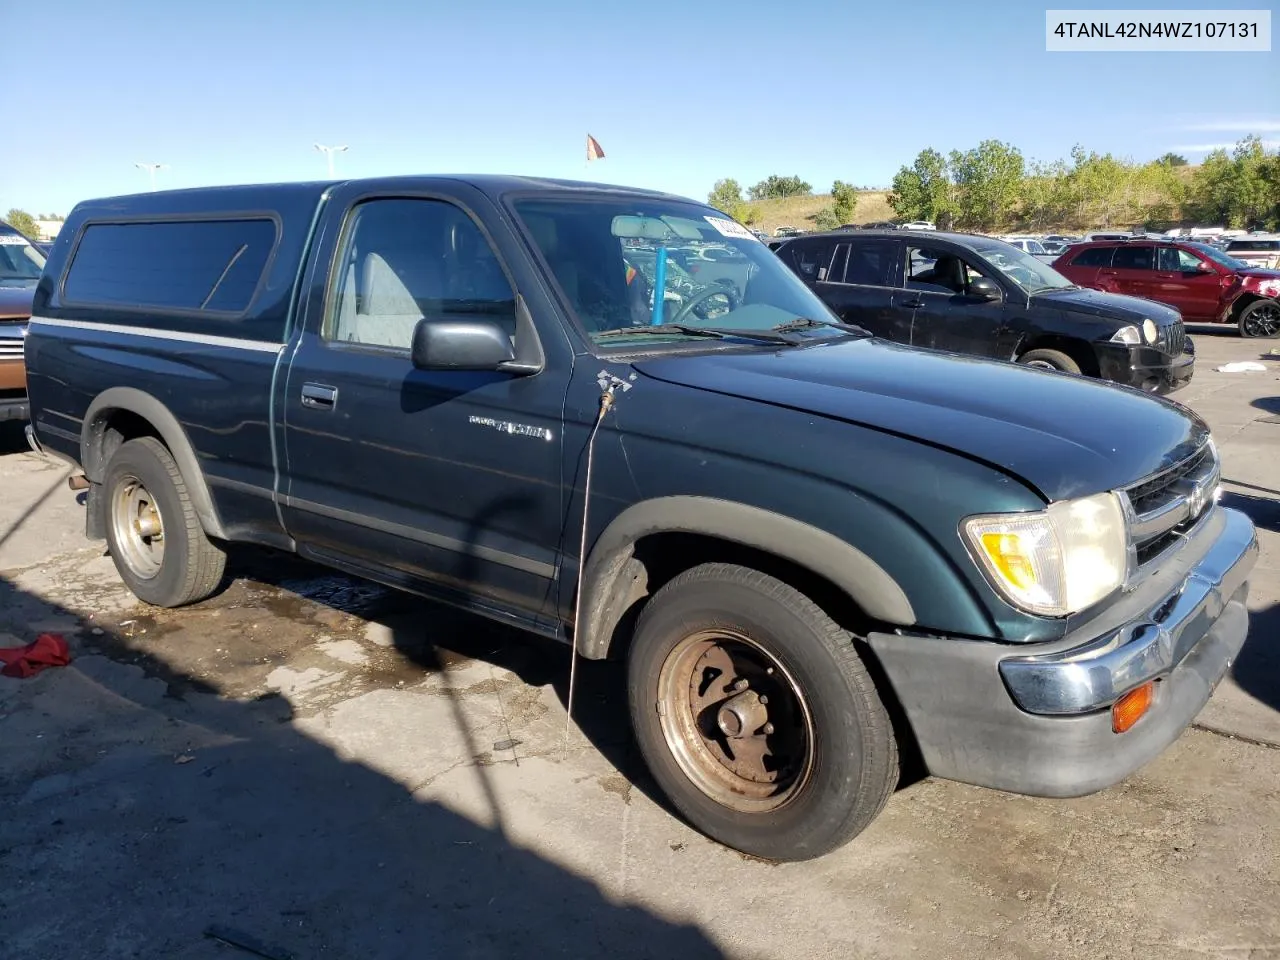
(756, 715)
(155, 538)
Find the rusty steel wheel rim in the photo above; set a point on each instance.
(736, 721)
(138, 528)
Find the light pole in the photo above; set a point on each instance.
(151, 168)
(329, 152)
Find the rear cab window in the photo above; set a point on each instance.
(204, 266)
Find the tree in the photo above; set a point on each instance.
(726, 195)
(776, 186)
(988, 179)
(924, 191)
(1238, 189)
(1172, 160)
(23, 222)
(828, 219)
(844, 202)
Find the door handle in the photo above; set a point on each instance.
(913, 303)
(318, 396)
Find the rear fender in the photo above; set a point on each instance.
(130, 399)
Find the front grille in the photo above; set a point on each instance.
(1172, 338)
(1166, 507)
(1151, 494)
(1148, 551)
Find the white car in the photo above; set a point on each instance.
(1256, 249)
(918, 225)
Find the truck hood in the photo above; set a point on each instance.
(1063, 435)
(1113, 306)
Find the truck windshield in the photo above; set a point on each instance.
(626, 264)
(1032, 275)
(20, 263)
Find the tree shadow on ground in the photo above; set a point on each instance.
(142, 808)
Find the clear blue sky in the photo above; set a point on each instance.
(678, 92)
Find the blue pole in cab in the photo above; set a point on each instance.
(659, 287)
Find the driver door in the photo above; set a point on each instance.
(1185, 281)
(447, 477)
(946, 316)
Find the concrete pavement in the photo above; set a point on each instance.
(327, 769)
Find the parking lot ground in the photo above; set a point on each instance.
(326, 769)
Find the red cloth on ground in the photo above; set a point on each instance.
(49, 650)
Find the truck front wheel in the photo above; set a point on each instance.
(154, 535)
(756, 715)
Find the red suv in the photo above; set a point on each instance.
(1203, 283)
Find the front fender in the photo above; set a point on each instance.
(607, 592)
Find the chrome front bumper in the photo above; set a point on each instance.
(1040, 723)
(1094, 675)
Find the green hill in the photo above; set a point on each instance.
(800, 212)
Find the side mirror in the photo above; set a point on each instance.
(460, 345)
(983, 288)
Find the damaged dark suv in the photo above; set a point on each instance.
(983, 297)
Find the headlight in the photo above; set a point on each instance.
(1129, 335)
(1149, 330)
(1056, 561)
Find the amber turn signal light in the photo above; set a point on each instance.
(1129, 709)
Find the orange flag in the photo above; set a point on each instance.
(594, 151)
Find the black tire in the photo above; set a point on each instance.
(1054, 359)
(190, 566)
(854, 765)
(1260, 319)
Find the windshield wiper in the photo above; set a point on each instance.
(806, 323)
(720, 333)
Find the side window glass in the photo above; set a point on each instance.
(1134, 258)
(811, 260)
(1176, 260)
(1094, 257)
(403, 261)
(937, 270)
(870, 263)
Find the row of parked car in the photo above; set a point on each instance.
(614, 418)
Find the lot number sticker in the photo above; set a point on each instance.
(728, 228)
(10, 241)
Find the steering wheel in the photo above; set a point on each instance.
(728, 292)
